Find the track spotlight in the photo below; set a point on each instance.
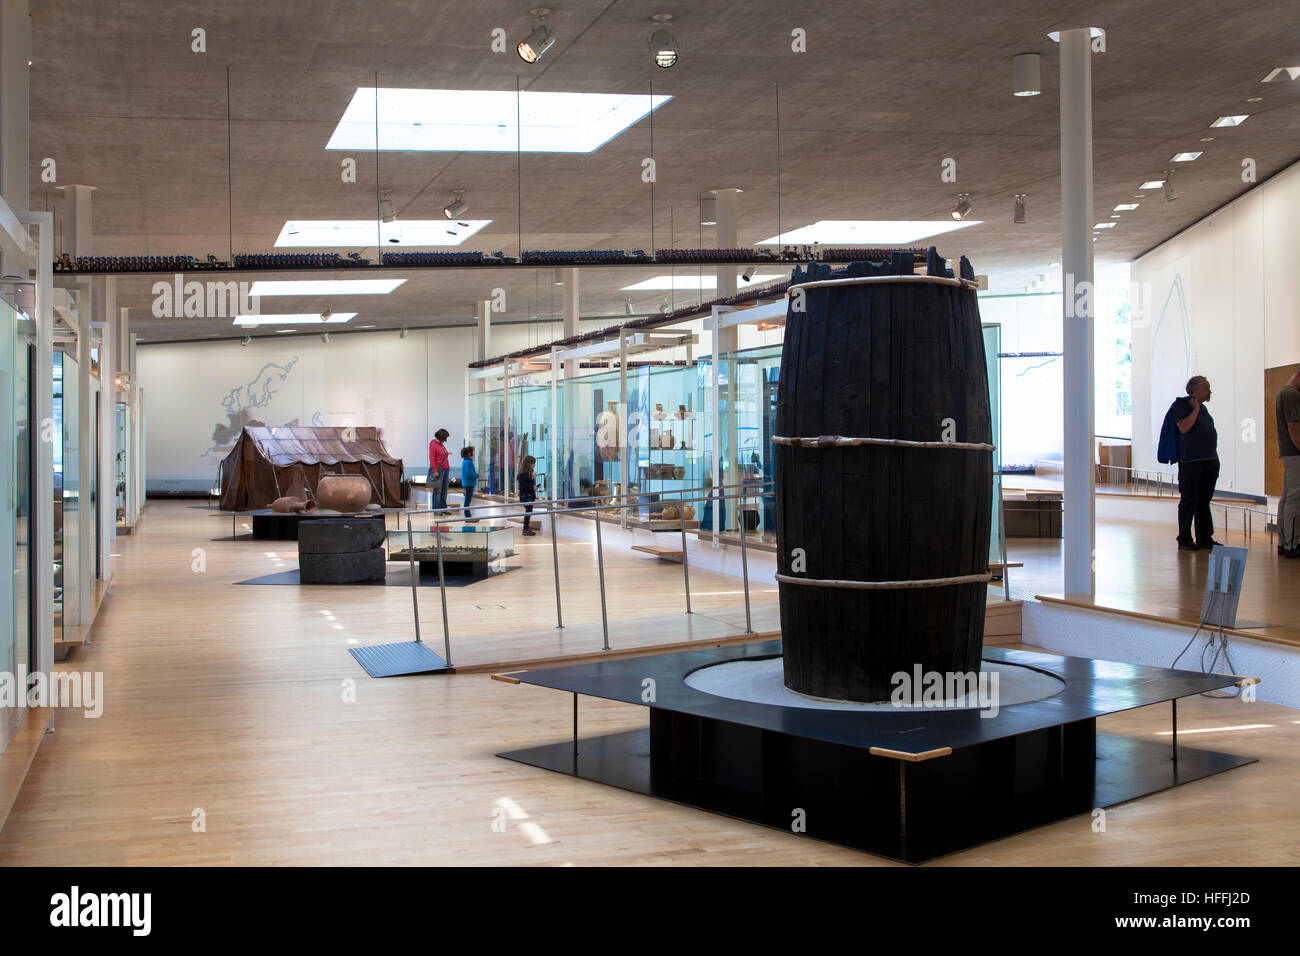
(962, 209)
(245, 340)
(1168, 188)
(325, 337)
(404, 333)
(748, 273)
(627, 306)
(663, 45)
(1020, 208)
(457, 207)
(533, 46)
(325, 316)
(1026, 75)
(386, 213)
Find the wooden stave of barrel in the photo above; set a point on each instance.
(878, 512)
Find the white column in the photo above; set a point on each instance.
(482, 330)
(106, 313)
(1077, 287)
(725, 341)
(86, 463)
(77, 237)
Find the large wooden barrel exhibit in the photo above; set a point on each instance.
(884, 469)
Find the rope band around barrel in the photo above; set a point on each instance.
(888, 585)
(839, 441)
(873, 280)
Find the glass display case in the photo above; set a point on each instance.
(467, 549)
(67, 468)
(122, 458)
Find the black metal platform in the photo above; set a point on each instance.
(907, 784)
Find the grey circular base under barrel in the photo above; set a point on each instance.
(763, 682)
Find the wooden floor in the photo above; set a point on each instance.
(242, 703)
(1139, 568)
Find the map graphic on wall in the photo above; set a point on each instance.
(242, 402)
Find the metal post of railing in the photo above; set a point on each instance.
(442, 587)
(600, 559)
(1002, 547)
(744, 565)
(415, 577)
(686, 568)
(555, 553)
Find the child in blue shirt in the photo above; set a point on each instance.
(468, 475)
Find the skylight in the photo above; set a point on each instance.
(353, 233)
(1104, 225)
(693, 283)
(1152, 184)
(1282, 74)
(1126, 206)
(1184, 157)
(485, 121)
(868, 232)
(1230, 120)
(295, 318)
(265, 287)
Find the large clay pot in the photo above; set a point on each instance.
(344, 493)
(688, 512)
(289, 505)
(671, 512)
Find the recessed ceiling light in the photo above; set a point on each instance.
(267, 287)
(1104, 225)
(1126, 206)
(1207, 139)
(354, 233)
(1230, 120)
(1282, 74)
(1254, 99)
(1152, 184)
(487, 121)
(695, 283)
(365, 326)
(296, 318)
(1184, 157)
(1114, 215)
(285, 331)
(868, 232)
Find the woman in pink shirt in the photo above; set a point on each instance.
(439, 468)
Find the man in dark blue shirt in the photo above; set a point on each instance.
(1198, 465)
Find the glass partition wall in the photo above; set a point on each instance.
(17, 454)
(67, 505)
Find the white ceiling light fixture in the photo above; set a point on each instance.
(1020, 208)
(1230, 120)
(1104, 225)
(1026, 74)
(1282, 74)
(325, 337)
(534, 46)
(962, 208)
(296, 318)
(1093, 32)
(1152, 184)
(488, 121)
(867, 232)
(1127, 206)
(457, 207)
(663, 44)
(404, 333)
(270, 287)
(1185, 157)
(1168, 188)
(359, 233)
(627, 306)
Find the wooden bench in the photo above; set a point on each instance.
(662, 553)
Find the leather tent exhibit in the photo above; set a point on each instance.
(268, 463)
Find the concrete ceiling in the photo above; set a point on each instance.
(883, 94)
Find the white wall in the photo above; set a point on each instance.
(1221, 299)
(201, 393)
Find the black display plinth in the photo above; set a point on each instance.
(910, 785)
